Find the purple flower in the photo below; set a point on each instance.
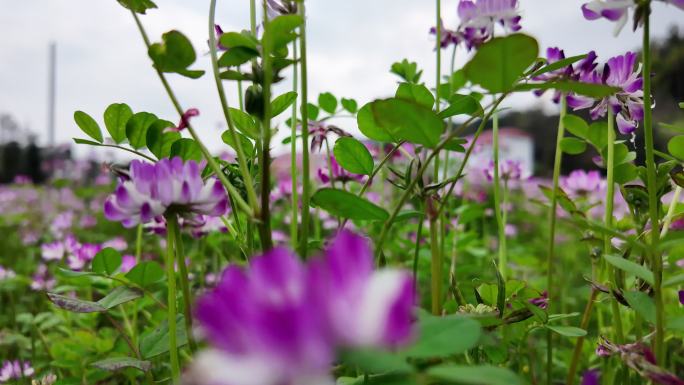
(53, 251)
(127, 263)
(15, 370)
(591, 377)
(320, 131)
(363, 307)
(478, 18)
(275, 8)
(262, 327)
(167, 186)
(185, 119)
(83, 255)
(616, 10)
(542, 301)
(447, 36)
(280, 321)
(116, 243)
(508, 170)
(6, 273)
(627, 104)
(42, 279)
(219, 32)
(582, 183)
(681, 297)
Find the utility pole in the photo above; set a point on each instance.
(52, 64)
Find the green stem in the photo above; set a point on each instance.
(171, 224)
(550, 256)
(670, 211)
(242, 160)
(501, 226)
(293, 154)
(185, 287)
(586, 316)
(656, 260)
(435, 263)
(608, 219)
(304, 233)
(205, 152)
(265, 161)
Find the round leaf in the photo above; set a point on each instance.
(107, 261)
(573, 146)
(136, 128)
(676, 147)
(115, 118)
(145, 273)
(353, 156)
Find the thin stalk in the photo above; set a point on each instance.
(435, 264)
(670, 211)
(586, 316)
(242, 160)
(241, 103)
(608, 219)
(304, 232)
(252, 17)
(328, 158)
(550, 256)
(205, 152)
(171, 224)
(416, 251)
(185, 287)
(293, 153)
(265, 160)
(656, 260)
(501, 226)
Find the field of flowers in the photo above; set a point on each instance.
(409, 254)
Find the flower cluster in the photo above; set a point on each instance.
(15, 370)
(77, 254)
(640, 358)
(571, 72)
(478, 19)
(616, 10)
(281, 321)
(168, 186)
(6, 273)
(627, 104)
(509, 170)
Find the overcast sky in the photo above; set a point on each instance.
(352, 43)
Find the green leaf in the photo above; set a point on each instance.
(244, 122)
(247, 145)
(557, 65)
(576, 125)
(462, 104)
(237, 56)
(145, 273)
(375, 361)
(156, 342)
(353, 156)
(475, 375)
(407, 71)
(118, 363)
(137, 6)
(232, 40)
(344, 204)
(593, 90)
(115, 118)
(456, 145)
(642, 304)
(573, 146)
(280, 31)
(417, 93)
(282, 102)
(396, 119)
(597, 135)
(159, 142)
(187, 149)
(327, 102)
(107, 261)
(88, 125)
(625, 173)
(119, 295)
(313, 111)
(676, 147)
(174, 54)
(136, 128)
(500, 63)
(567, 331)
(350, 105)
(631, 267)
(444, 336)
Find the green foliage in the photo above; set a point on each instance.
(417, 93)
(407, 70)
(107, 261)
(136, 128)
(174, 54)
(353, 156)
(344, 204)
(88, 125)
(398, 119)
(327, 102)
(115, 117)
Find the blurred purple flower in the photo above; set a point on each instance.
(447, 36)
(320, 131)
(616, 10)
(591, 377)
(6, 273)
(168, 185)
(53, 251)
(185, 119)
(42, 280)
(508, 170)
(116, 243)
(542, 301)
(582, 183)
(80, 257)
(280, 321)
(15, 370)
(681, 297)
(127, 263)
